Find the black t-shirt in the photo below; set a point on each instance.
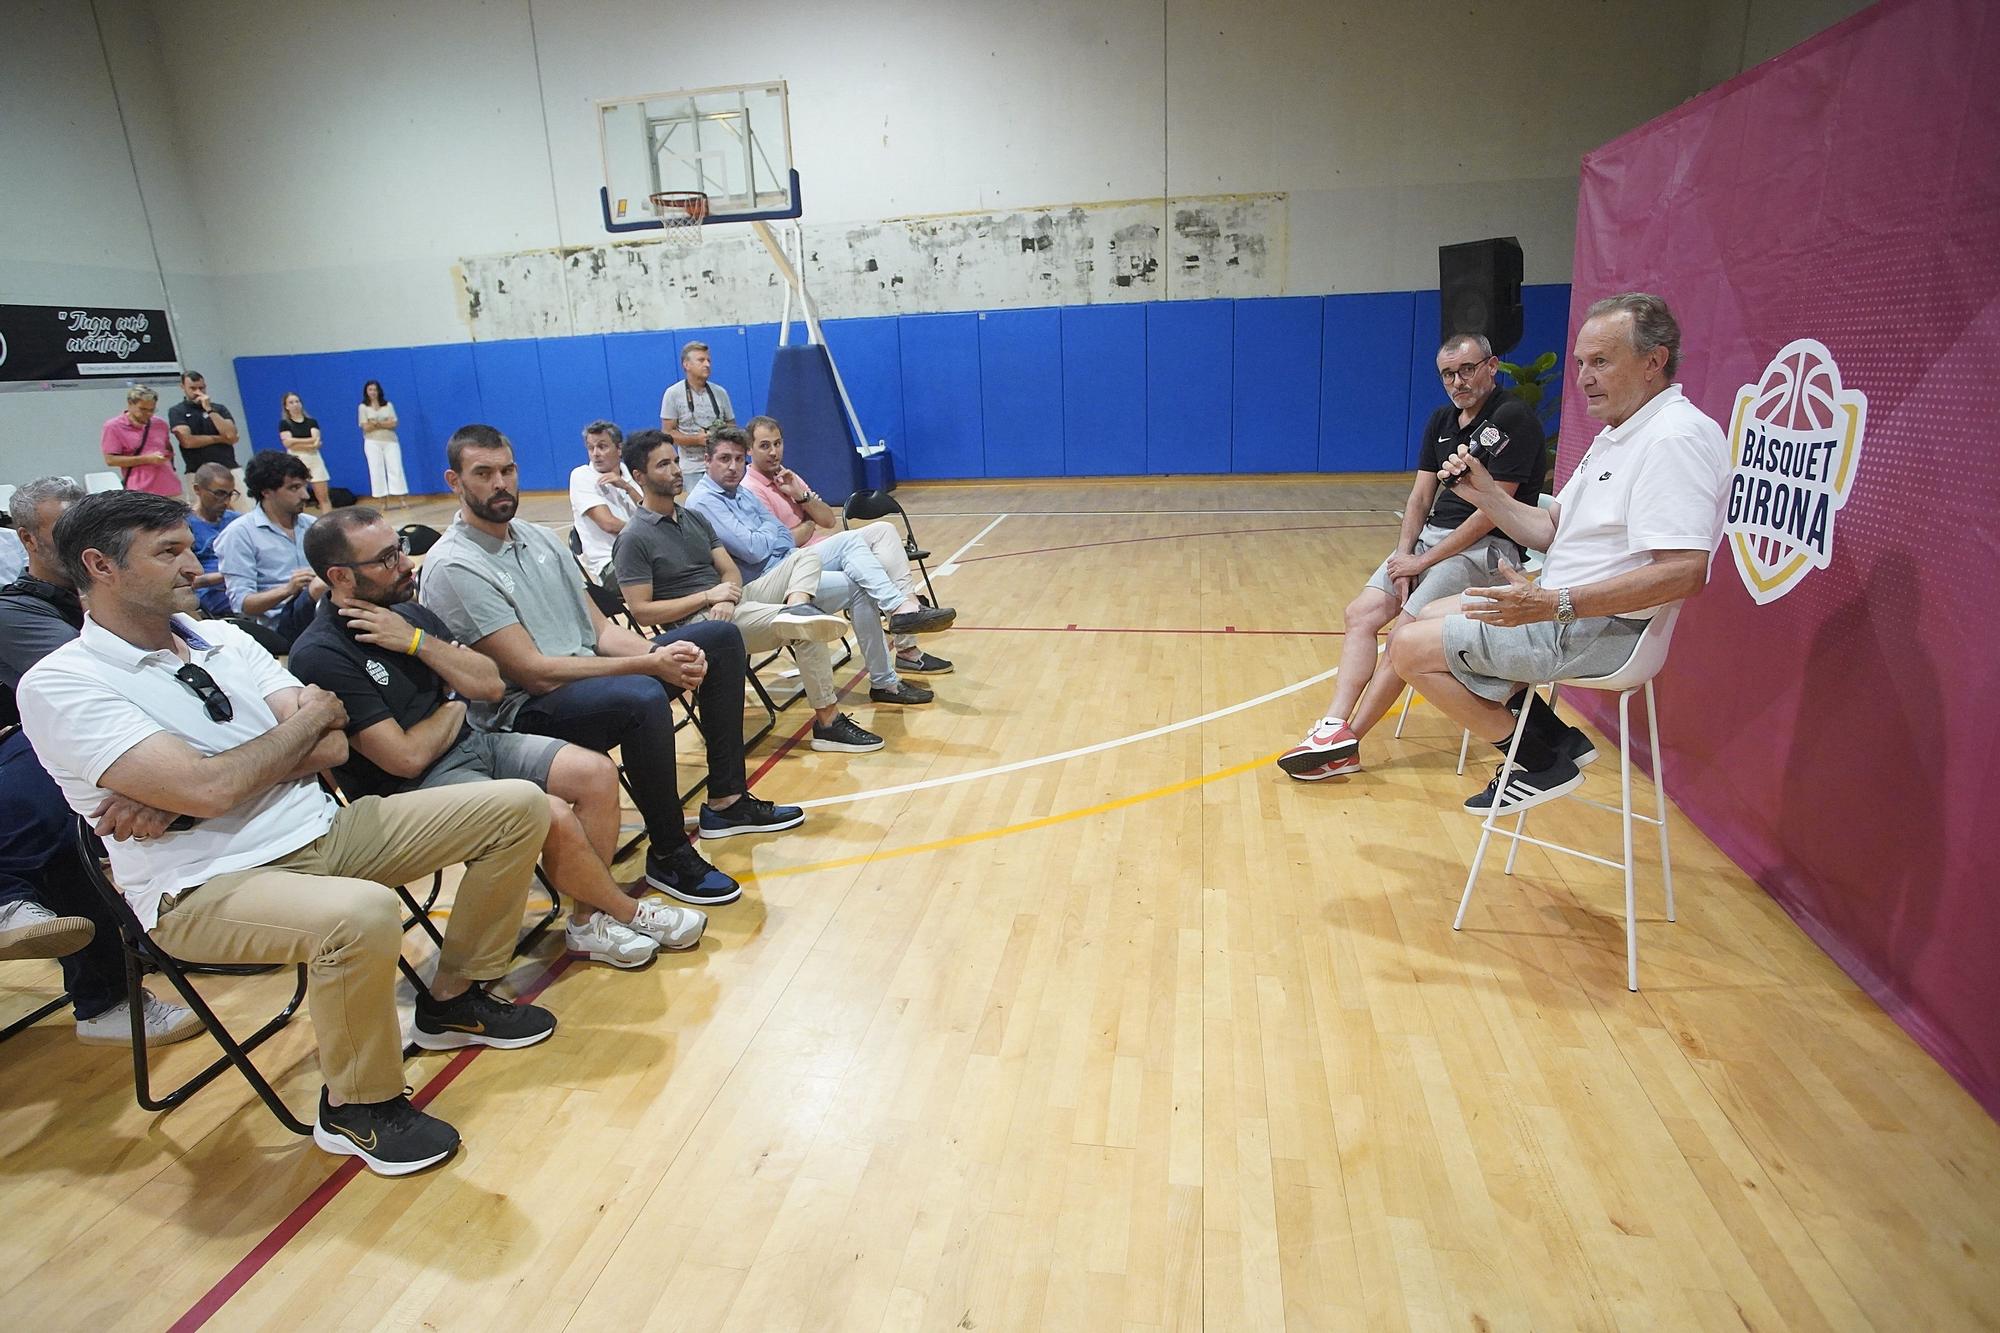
(372, 684)
(187, 412)
(298, 430)
(1522, 458)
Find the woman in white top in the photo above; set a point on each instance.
(300, 434)
(379, 442)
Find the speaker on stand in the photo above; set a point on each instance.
(1479, 291)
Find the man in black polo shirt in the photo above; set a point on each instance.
(205, 429)
(1446, 546)
(403, 680)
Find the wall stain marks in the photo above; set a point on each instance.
(1067, 254)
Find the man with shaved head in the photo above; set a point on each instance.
(214, 486)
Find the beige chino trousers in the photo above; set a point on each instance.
(325, 905)
(763, 598)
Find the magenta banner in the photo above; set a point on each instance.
(1827, 228)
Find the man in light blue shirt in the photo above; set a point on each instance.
(265, 572)
(854, 580)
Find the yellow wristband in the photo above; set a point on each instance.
(416, 642)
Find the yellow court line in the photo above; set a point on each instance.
(964, 839)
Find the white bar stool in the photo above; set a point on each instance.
(1636, 676)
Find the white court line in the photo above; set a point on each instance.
(951, 564)
(1078, 753)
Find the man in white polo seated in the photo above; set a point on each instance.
(1630, 533)
(236, 854)
(602, 498)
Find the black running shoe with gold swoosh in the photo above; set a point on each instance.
(478, 1018)
(391, 1138)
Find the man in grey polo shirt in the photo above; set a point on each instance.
(691, 407)
(511, 590)
(1630, 534)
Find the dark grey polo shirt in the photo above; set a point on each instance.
(675, 555)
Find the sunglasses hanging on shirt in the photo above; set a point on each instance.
(213, 700)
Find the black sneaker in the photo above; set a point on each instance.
(904, 693)
(843, 734)
(1576, 748)
(923, 620)
(392, 1138)
(922, 664)
(747, 814)
(679, 872)
(1526, 790)
(478, 1018)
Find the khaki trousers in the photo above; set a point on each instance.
(325, 905)
(763, 598)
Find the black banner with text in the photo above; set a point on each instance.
(59, 344)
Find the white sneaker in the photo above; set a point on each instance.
(806, 621)
(30, 930)
(603, 940)
(674, 926)
(165, 1023)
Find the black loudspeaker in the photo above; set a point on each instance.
(339, 497)
(1479, 291)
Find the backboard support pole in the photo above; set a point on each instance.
(795, 284)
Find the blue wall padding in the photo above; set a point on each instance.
(1190, 393)
(511, 391)
(869, 355)
(448, 390)
(818, 442)
(577, 391)
(1273, 384)
(263, 381)
(1275, 426)
(1104, 390)
(944, 435)
(641, 366)
(1364, 412)
(1021, 397)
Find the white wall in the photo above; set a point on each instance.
(75, 228)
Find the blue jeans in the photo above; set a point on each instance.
(38, 863)
(632, 714)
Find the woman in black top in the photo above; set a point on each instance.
(300, 434)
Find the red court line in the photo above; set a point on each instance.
(295, 1221)
(1173, 537)
(786, 746)
(1106, 629)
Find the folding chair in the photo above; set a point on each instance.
(28, 1020)
(1636, 676)
(141, 950)
(867, 506)
(609, 601)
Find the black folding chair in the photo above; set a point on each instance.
(29, 1019)
(609, 601)
(867, 506)
(142, 951)
(417, 538)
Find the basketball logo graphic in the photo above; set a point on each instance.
(1794, 441)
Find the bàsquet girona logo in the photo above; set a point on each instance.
(1794, 443)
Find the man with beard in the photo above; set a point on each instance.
(404, 681)
(1445, 547)
(263, 555)
(511, 590)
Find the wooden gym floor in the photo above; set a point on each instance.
(1125, 1030)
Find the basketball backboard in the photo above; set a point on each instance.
(732, 143)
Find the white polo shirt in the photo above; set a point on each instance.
(97, 696)
(589, 488)
(1659, 481)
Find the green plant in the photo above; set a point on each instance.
(1538, 388)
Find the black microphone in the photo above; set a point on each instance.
(1486, 442)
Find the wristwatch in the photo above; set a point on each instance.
(1565, 613)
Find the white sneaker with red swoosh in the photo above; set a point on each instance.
(1330, 744)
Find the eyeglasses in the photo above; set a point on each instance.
(230, 494)
(385, 562)
(213, 700)
(1452, 374)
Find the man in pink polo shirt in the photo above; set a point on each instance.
(140, 447)
(812, 520)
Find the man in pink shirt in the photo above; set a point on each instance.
(140, 447)
(812, 520)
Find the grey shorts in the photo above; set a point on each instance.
(1493, 661)
(1477, 566)
(484, 755)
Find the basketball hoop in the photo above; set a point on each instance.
(681, 213)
